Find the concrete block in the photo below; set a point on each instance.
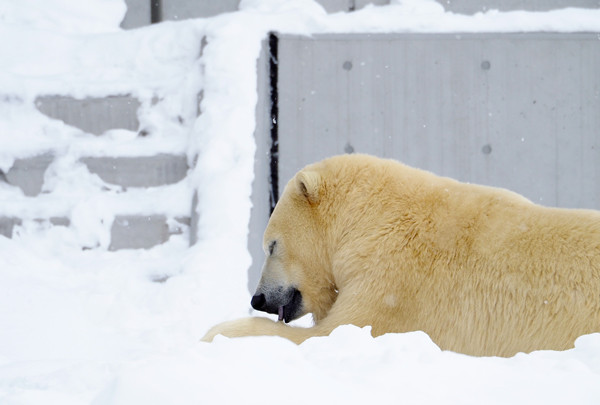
(92, 115)
(143, 231)
(475, 6)
(127, 231)
(358, 4)
(182, 9)
(60, 221)
(336, 6)
(28, 173)
(140, 171)
(139, 14)
(7, 225)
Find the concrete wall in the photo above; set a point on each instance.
(182, 9)
(520, 111)
(261, 188)
(144, 12)
(474, 6)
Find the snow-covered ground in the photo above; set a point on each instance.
(94, 327)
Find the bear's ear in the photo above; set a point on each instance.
(309, 185)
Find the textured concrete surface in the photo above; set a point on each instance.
(519, 111)
(143, 231)
(7, 225)
(127, 231)
(475, 6)
(28, 174)
(92, 115)
(140, 171)
(182, 9)
(139, 13)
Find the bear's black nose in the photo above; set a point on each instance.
(258, 301)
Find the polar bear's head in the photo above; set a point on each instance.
(296, 277)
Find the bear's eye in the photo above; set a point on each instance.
(272, 247)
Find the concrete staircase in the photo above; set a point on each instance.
(125, 178)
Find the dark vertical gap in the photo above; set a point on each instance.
(352, 5)
(274, 151)
(155, 11)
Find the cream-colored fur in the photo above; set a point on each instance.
(482, 270)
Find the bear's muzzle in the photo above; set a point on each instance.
(287, 304)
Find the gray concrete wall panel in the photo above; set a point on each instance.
(520, 111)
(139, 171)
(92, 115)
(259, 215)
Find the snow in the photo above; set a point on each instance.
(89, 326)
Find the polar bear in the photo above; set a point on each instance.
(361, 240)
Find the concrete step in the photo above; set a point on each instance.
(28, 174)
(139, 171)
(7, 224)
(144, 231)
(126, 232)
(129, 230)
(92, 115)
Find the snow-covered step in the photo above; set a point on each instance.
(126, 231)
(28, 174)
(144, 231)
(140, 201)
(7, 224)
(92, 115)
(142, 209)
(137, 171)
